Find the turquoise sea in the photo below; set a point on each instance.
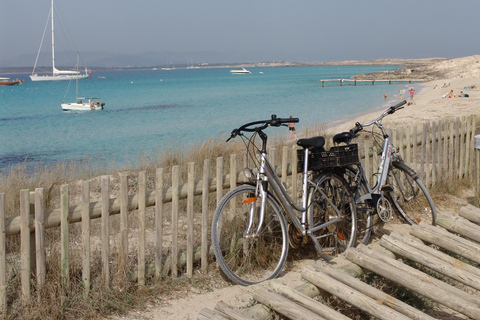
(148, 109)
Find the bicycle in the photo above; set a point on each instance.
(250, 231)
(395, 183)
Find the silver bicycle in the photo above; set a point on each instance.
(397, 186)
(255, 222)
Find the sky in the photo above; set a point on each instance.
(300, 30)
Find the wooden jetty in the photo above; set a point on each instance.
(353, 82)
(458, 235)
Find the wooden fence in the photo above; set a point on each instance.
(180, 237)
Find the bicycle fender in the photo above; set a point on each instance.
(402, 165)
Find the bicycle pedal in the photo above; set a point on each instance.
(387, 188)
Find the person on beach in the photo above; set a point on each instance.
(400, 92)
(412, 91)
(291, 128)
(385, 96)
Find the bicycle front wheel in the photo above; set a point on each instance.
(330, 199)
(410, 196)
(249, 256)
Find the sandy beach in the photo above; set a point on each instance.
(428, 105)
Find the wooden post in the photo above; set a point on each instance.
(284, 165)
(477, 171)
(40, 238)
(205, 220)
(294, 173)
(434, 152)
(175, 208)
(142, 191)
(105, 231)
(85, 237)
(219, 179)
(191, 187)
(64, 263)
(3, 259)
(158, 221)
(123, 232)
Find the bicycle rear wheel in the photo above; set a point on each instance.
(330, 198)
(410, 196)
(254, 257)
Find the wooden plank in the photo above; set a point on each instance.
(451, 149)
(3, 259)
(40, 238)
(423, 154)
(471, 213)
(446, 240)
(65, 259)
(418, 244)
(457, 147)
(191, 182)
(207, 314)
(175, 208)
(415, 148)
(305, 301)
(272, 158)
(461, 169)
(428, 156)
(459, 225)
(123, 232)
(415, 280)
(205, 218)
(350, 295)
(368, 172)
(282, 305)
(439, 149)
(405, 250)
(233, 171)
(142, 215)
(445, 149)
(219, 179)
(105, 226)
(158, 221)
(374, 293)
(85, 237)
(294, 174)
(229, 312)
(25, 242)
(434, 153)
(284, 165)
(408, 139)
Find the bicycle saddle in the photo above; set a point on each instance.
(344, 137)
(315, 142)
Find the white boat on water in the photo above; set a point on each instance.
(240, 71)
(56, 74)
(82, 104)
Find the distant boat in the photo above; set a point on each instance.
(8, 82)
(56, 74)
(240, 71)
(80, 105)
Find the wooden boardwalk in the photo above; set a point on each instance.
(458, 290)
(354, 82)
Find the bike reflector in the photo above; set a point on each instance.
(249, 200)
(419, 220)
(340, 236)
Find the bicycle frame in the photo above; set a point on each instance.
(267, 176)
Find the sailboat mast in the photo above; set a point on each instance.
(53, 46)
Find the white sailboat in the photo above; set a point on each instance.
(56, 74)
(82, 104)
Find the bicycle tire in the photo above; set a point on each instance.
(364, 209)
(415, 203)
(336, 237)
(249, 260)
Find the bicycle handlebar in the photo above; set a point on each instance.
(262, 124)
(359, 127)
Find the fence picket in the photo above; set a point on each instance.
(451, 150)
(158, 221)
(123, 232)
(3, 259)
(191, 187)
(65, 259)
(40, 238)
(85, 237)
(175, 208)
(105, 226)
(142, 211)
(205, 219)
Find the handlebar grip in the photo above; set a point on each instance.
(276, 122)
(358, 127)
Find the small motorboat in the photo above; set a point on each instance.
(8, 82)
(240, 71)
